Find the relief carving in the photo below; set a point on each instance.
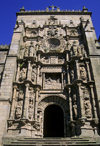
(75, 105)
(26, 53)
(74, 50)
(45, 59)
(31, 103)
(52, 20)
(87, 104)
(22, 75)
(20, 98)
(30, 111)
(18, 112)
(68, 45)
(50, 81)
(33, 75)
(53, 81)
(81, 50)
(87, 108)
(53, 31)
(32, 51)
(20, 95)
(78, 50)
(72, 75)
(60, 60)
(83, 74)
(73, 32)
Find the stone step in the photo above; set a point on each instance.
(50, 142)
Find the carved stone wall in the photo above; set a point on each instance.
(53, 66)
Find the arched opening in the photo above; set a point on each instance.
(53, 121)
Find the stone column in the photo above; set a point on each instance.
(38, 57)
(26, 103)
(67, 56)
(31, 51)
(81, 102)
(93, 101)
(36, 102)
(68, 75)
(43, 81)
(62, 80)
(38, 71)
(29, 71)
(88, 69)
(18, 72)
(77, 70)
(13, 103)
(70, 105)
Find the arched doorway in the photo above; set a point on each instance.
(53, 121)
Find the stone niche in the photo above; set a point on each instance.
(52, 81)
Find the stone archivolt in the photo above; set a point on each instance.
(51, 63)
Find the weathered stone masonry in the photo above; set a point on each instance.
(53, 59)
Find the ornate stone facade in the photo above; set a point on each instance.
(51, 65)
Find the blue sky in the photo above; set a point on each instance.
(8, 9)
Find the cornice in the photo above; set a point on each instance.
(53, 13)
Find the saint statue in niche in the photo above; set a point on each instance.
(22, 75)
(18, 112)
(83, 74)
(20, 95)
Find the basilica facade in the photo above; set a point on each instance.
(50, 82)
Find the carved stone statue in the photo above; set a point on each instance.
(20, 95)
(87, 104)
(52, 31)
(18, 112)
(26, 53)
(79, 51)
(73, 32)
(31, 93)
(83, 74)
(83, 50)
(74, 49)
(75, 105)
(68, 45)
(33, 75)
(22, 75)
(30, 111)
(45, 59)
(50, 81)
(72, 74)
(87, 108)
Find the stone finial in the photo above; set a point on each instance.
(47, 9)
(52, 8)
(22, 9)
(58, 9)
(84, 9)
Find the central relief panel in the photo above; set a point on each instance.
(52, 81)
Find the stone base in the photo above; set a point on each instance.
(26, 141)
